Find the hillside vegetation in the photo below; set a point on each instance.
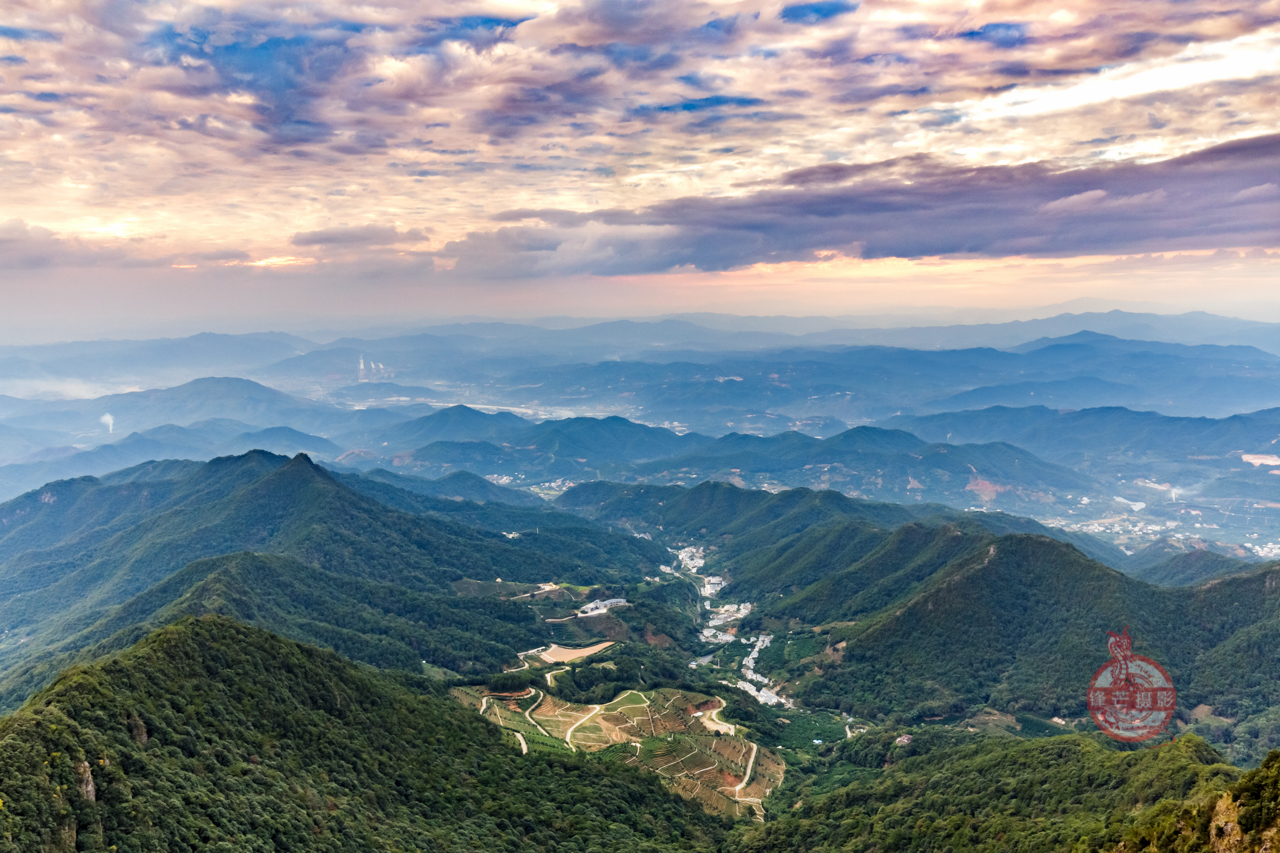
(87, 566)
(944, 790)
(214, 736)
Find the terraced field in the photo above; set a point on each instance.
(670, 732)
(557, 718)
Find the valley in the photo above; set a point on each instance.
(870, 640)
(639, 426)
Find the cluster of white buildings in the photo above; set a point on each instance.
(692, 557)
(726, 613)
(763, 695)
(712, 585)
(595, 608)
(748, 665)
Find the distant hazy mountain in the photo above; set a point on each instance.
(456, 423)
(881, 465)
(167, 360)
(1194, 327)
(20, 445)
(1185, 567)
(200, 441)
(460, 485)
(1112, 432)
(504, 444)
(751, 524)
(722, 392)
(201, 399)
(1081, 392)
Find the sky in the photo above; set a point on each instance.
(180, 166)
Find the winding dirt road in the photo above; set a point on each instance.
(568, 736)
(746, 777)
(719, 725)
(528, 714)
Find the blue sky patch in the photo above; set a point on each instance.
(694, 105)
(24, 34)
(999, 35)
(480, 31)
(814, 13)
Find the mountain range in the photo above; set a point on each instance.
(280, 609)
(893, 615)
(969, 631)
(88, 562)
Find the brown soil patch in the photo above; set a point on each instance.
(560, 654)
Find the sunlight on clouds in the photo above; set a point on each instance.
(1244, 58)
(284, 261)
(160, 132)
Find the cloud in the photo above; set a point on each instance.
(27, 247)
(1077, 203)
(991, 211)
(1261, 192)
(178, 127)
(363, 235)
(693, 105)
(1092, 201)
(480, 32)
(220, 255)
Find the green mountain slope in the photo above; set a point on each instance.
(379, 623)
(893, 569)
(294, 508)
(215, 736)
(1190, 567)
(743, 520)
(368, 579)
(1244, 819)
(459, 485)
(944, 791)
(939, 622)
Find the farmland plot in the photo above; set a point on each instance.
(668, 732)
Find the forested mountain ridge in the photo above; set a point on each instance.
(1244, 819)
(742, 520)
(351, 572)
(943, 790)
(925, 614)
(935, 621)
(370, 621)
(213, 735)
(210, 735)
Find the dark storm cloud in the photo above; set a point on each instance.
(991, 211)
